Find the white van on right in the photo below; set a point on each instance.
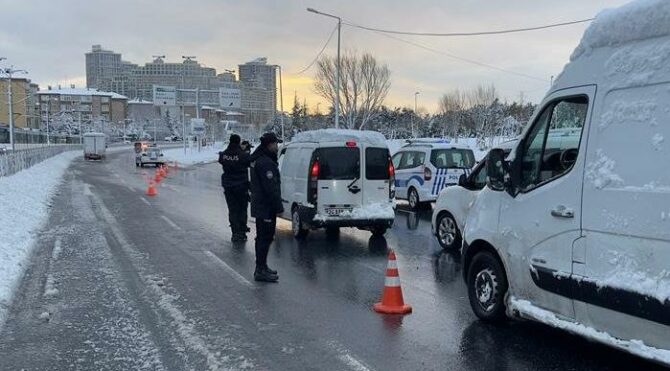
(573, 228)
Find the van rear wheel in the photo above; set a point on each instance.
(298, 228)
(487, 286)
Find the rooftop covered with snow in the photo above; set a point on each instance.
(82, 91)
(341, 135)
(638, 20)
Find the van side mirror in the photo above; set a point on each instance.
(497, 170)
(462, 180)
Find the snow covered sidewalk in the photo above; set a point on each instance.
(24, 208)
(192, 156)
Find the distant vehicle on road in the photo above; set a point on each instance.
(425, 166)
(151, 155)
(141, 146)
(337, 178)
(573, 227)
(453, 204)
(95, 145)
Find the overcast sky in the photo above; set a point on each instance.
(49, 39)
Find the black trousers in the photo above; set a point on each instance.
(265, 233)
(238, 201)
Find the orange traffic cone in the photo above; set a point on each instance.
(151, 190)
(392, 301)
(161, 169)
(157, 177)
(166, 168)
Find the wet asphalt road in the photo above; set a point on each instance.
(122, 281)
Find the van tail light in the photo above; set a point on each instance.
(312, 187)
(427, 174)
(391, 179)
(314, 170)
(351, 143)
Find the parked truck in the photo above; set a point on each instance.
(95, 145)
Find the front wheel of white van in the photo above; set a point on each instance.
(487, 286)
(298, 228)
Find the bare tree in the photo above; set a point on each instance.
(364, 84)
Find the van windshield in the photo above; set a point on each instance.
(376, 163)
(452, 158)
(339, 163)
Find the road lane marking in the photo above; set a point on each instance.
(145, 201)
(238, 277)
(57, 249)
(344, 355)
(171, 223)
(130, 188)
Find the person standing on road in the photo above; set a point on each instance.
(266, 202)
(235, 182)
(246, 146)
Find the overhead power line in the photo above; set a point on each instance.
(462, 34)
(319, 54)
(466, 60)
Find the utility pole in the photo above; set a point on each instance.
(10, 104)
(48, 109)
(281, 102)
(337, 79)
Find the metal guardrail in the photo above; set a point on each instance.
(12, 162)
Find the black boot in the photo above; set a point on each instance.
(262, 275)
(271, 271)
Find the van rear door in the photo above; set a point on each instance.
(339, 179)
(375, 184)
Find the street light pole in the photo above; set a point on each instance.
(10, 104)
(281, 101)
(337, 78)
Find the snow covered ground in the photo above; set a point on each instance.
(192, 156)
(24, 206)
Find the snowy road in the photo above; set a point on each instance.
(123, 281)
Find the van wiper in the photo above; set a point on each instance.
(352, 188)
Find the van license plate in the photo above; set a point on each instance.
(336, 211)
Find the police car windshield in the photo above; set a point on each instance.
(452, 158)
(339, 163)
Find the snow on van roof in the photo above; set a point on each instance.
(638, 20)
(341, 135)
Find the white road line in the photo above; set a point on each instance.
(57, 249)
(238, 277)
(145, 201)
(344, 355)
(171, 223)
(131, 188)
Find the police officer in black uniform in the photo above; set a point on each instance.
(235, 182)
(265, 202)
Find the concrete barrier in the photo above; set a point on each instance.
(14, 161)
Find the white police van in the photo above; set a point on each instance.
(337, 178)
(423, 167)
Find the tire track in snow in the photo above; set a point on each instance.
(185, 328)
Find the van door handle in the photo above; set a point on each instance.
(561, 211)
(354, 189)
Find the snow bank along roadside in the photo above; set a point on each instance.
(24, 200)
(192, 157)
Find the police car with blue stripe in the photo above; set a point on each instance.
(423, 167)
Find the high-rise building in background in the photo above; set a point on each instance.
(197, 85)
(259, 90)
